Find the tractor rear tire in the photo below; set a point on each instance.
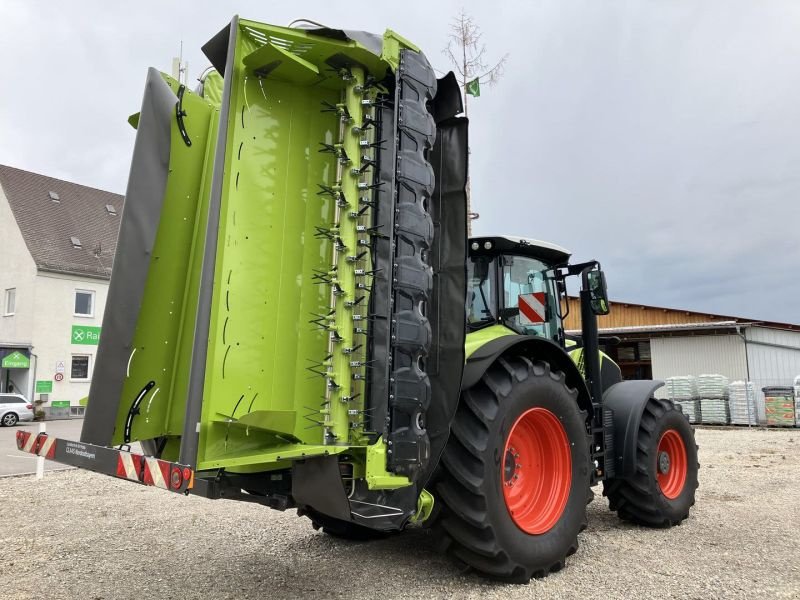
(514, 476)
(662, 490)
(342, 529)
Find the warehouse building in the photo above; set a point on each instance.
(58, 242)
(657, 342)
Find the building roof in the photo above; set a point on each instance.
(628, 317)
(67, 227)
(680, 327)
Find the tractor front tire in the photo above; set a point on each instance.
(662, 490)
(514, 477)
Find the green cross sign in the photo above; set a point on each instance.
(16, 360)
(85, 335)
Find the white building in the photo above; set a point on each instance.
(659, 342)
(58, 241)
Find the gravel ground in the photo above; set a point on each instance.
(81, 535)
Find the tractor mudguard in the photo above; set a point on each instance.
(535, 348)
(626, 401)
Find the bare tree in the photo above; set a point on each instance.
(467, 53)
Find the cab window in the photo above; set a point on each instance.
(529, 299)
(481, 293)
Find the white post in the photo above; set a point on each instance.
(40, 459)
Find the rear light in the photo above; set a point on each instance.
(176, 478)
(29, 406)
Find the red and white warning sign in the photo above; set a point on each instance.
(129, 466)
(531, 308)
(156, 472)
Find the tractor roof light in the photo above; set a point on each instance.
(475, 245)
(487, 245)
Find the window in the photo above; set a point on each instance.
(5, 399)
(54, 197)
(84, 303)
(481, 305)
(76, 243)
(79, 370)
(11, 301)
(528, 280)
(110, 209)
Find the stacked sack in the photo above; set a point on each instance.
(742, 403)
(713, 393)
(682, 390)
(779, 406)
(797, 400)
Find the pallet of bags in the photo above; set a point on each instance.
(779, 406)
(712, 386)
(742, 403)
(683, 387)
(797, 401)
(691, 408)
(715, 411)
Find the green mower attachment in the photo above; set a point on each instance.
(291, 252)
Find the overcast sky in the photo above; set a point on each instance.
(661, 137)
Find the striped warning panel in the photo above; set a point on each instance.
(129, 466)
(532, 308)
(25, 441)
(156, 472)
(47, 446)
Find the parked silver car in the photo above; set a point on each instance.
(14, 408)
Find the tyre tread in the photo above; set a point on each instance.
(463, 524)
(632, 498)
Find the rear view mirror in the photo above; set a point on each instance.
(597, 292)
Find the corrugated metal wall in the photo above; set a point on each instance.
(696, 355)
(771, 365)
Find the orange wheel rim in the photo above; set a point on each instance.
(536, 471)
(671, 464)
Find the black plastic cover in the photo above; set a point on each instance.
(447, 103)
(417, 352)
(412, 275)
(216, 49)
(447, 312)
(143, 203)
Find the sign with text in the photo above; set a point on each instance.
(44, 387)
(60, 404)
(85, 335)
(16, 360)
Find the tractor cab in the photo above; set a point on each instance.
(513, 282)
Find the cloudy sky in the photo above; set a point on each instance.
(661, 137)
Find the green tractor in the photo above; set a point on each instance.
(297, 319)
(542, 418)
